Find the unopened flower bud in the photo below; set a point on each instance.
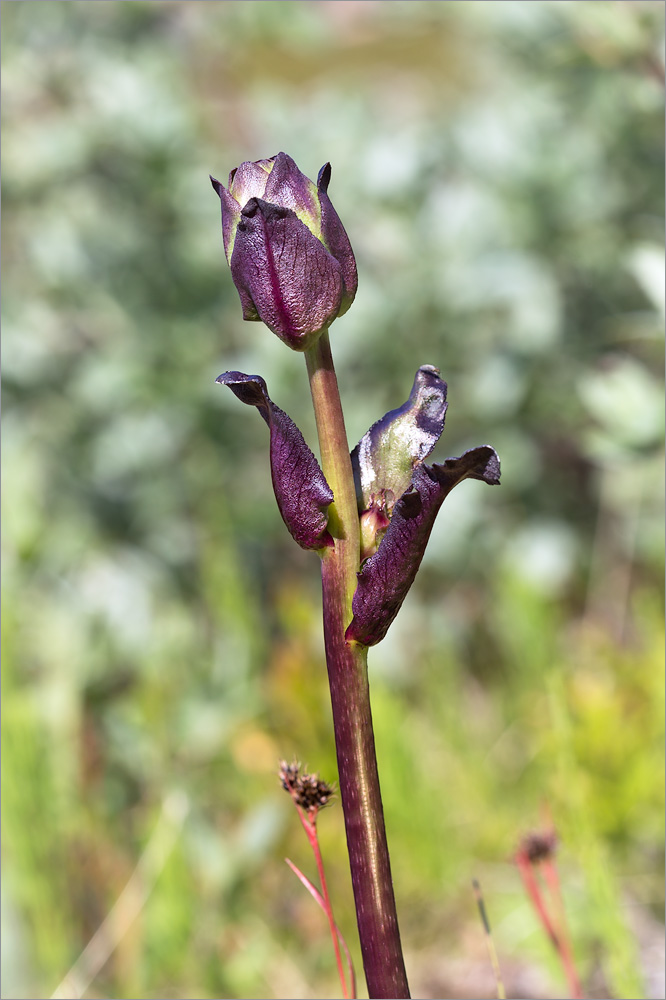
(289, 254)
(374, 523)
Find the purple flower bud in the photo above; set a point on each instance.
(289, 254)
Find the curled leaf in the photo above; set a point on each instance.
(301, 491)
(386, 576)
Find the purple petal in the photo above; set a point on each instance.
(230, 218)
(386, 577)
(289, 277)
(249, 180)
(288, 187)
(301, 490)
(336, 239)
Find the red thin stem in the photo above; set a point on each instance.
(526, 869)
(534, 892)
(311, 833)
(552, 878)
(319, 899)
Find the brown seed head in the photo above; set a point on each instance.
(538, 846)
(307, 790)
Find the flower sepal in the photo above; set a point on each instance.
(302, 493)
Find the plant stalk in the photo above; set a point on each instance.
(310, 827)
(531, 884)
(376, 915)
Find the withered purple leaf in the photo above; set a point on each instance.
(301, 491)
(386, 576)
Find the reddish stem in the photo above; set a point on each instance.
(350, 699)
(552, 878)
(319, 899)
(526, 869)
(310, 828)
(362, 804)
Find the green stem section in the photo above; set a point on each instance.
(350, 698)
(343, 522)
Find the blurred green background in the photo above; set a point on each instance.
(499, 169)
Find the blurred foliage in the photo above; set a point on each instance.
(499, 168)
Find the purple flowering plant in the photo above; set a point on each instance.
(367, 514)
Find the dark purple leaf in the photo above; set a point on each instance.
(301, 491)
(386, 577)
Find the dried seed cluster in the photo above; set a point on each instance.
(307, 790)
(538, 846)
